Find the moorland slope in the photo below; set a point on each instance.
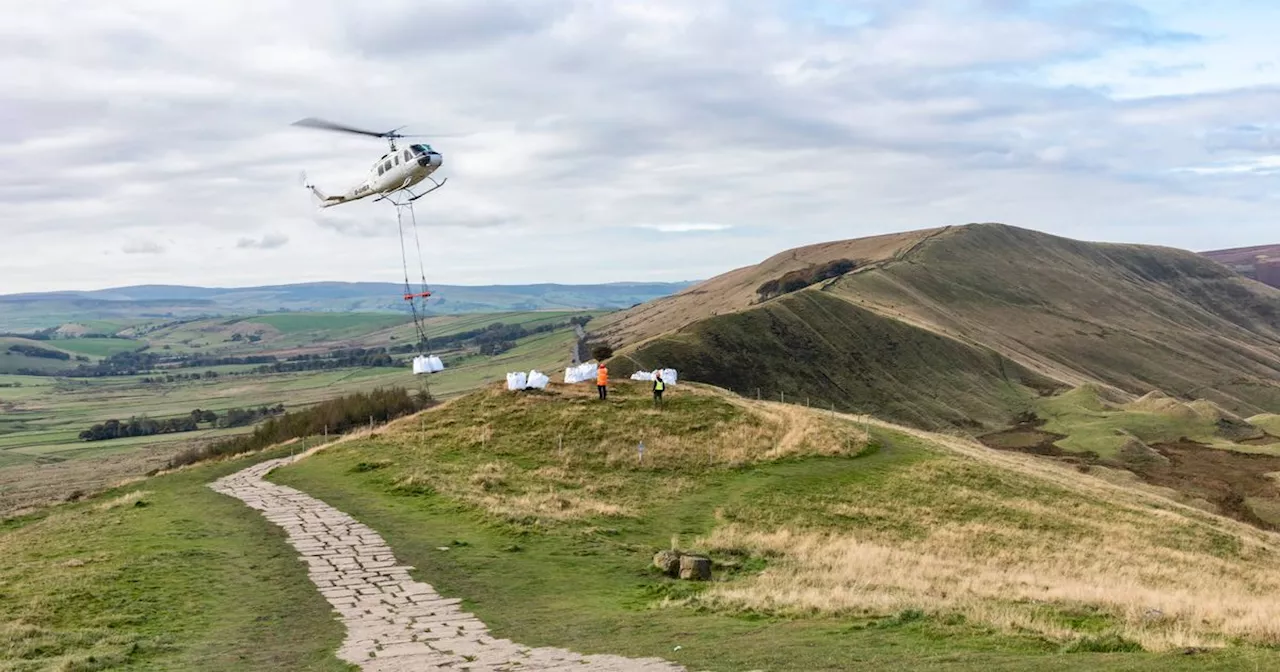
(967, 326)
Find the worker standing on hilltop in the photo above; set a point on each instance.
(658, 385)
(602, 381)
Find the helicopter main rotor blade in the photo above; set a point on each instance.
(312, 122)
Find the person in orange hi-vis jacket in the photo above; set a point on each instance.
(602, 381)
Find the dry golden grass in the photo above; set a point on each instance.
(1014, 541)
(589, 458)
(127, 499)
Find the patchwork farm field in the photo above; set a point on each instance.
(43, 458)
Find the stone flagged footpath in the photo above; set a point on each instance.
(393, 622)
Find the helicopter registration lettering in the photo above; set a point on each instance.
(362, 189)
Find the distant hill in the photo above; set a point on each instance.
(1261, 262)
(41, 310)
(966, 326)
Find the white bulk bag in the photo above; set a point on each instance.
(669, 376)
(580, 373)
(538, 380)
(427, 364)
(642, 375)
(516, 380)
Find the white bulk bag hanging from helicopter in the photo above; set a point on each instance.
(427, 364)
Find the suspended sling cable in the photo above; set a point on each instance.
(409, 294)
(413, 218)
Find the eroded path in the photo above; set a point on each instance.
(394, 622)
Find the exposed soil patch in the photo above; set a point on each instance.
(1230, 480)
(1027, 437)
(1226, 478)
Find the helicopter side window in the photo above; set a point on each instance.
(380, 170)
(407, 156)
(387, 165)
(397, 159)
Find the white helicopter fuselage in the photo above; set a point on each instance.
(397, 169)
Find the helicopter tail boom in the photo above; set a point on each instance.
(324, 199)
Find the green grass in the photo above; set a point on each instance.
(533, 554)
(1267, 421)
(290, 323)
(97, 347)
(11, 362)
(1093, 424)
(178, 577)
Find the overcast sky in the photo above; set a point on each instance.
(591, 141)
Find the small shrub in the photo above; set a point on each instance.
(1108, 643)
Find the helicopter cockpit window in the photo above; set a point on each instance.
(421, 149)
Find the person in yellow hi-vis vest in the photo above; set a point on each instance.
(602, 381)
(658, 386)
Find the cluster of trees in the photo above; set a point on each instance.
(239, 417)
(174, 377)
(801, 278)
(119, 364)
(37, 351)
(332, 417)
(144, 426)
(252, 338)
(193, 361)
(495, 338)
(336, 359)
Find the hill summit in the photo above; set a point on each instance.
(966, 326)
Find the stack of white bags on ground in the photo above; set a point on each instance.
(427, 364)
(533, 380)
(668, 375)
(581, 373)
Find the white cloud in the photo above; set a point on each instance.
(574, 121)
(269, 241)
(142, 247)
(685, 227)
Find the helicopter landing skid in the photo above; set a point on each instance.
(412, 196)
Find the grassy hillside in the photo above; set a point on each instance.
(1134, 318)
(17, 354)
(816, 347)
(161, 574)
(895, 548)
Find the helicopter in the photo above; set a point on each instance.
(395, 171)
